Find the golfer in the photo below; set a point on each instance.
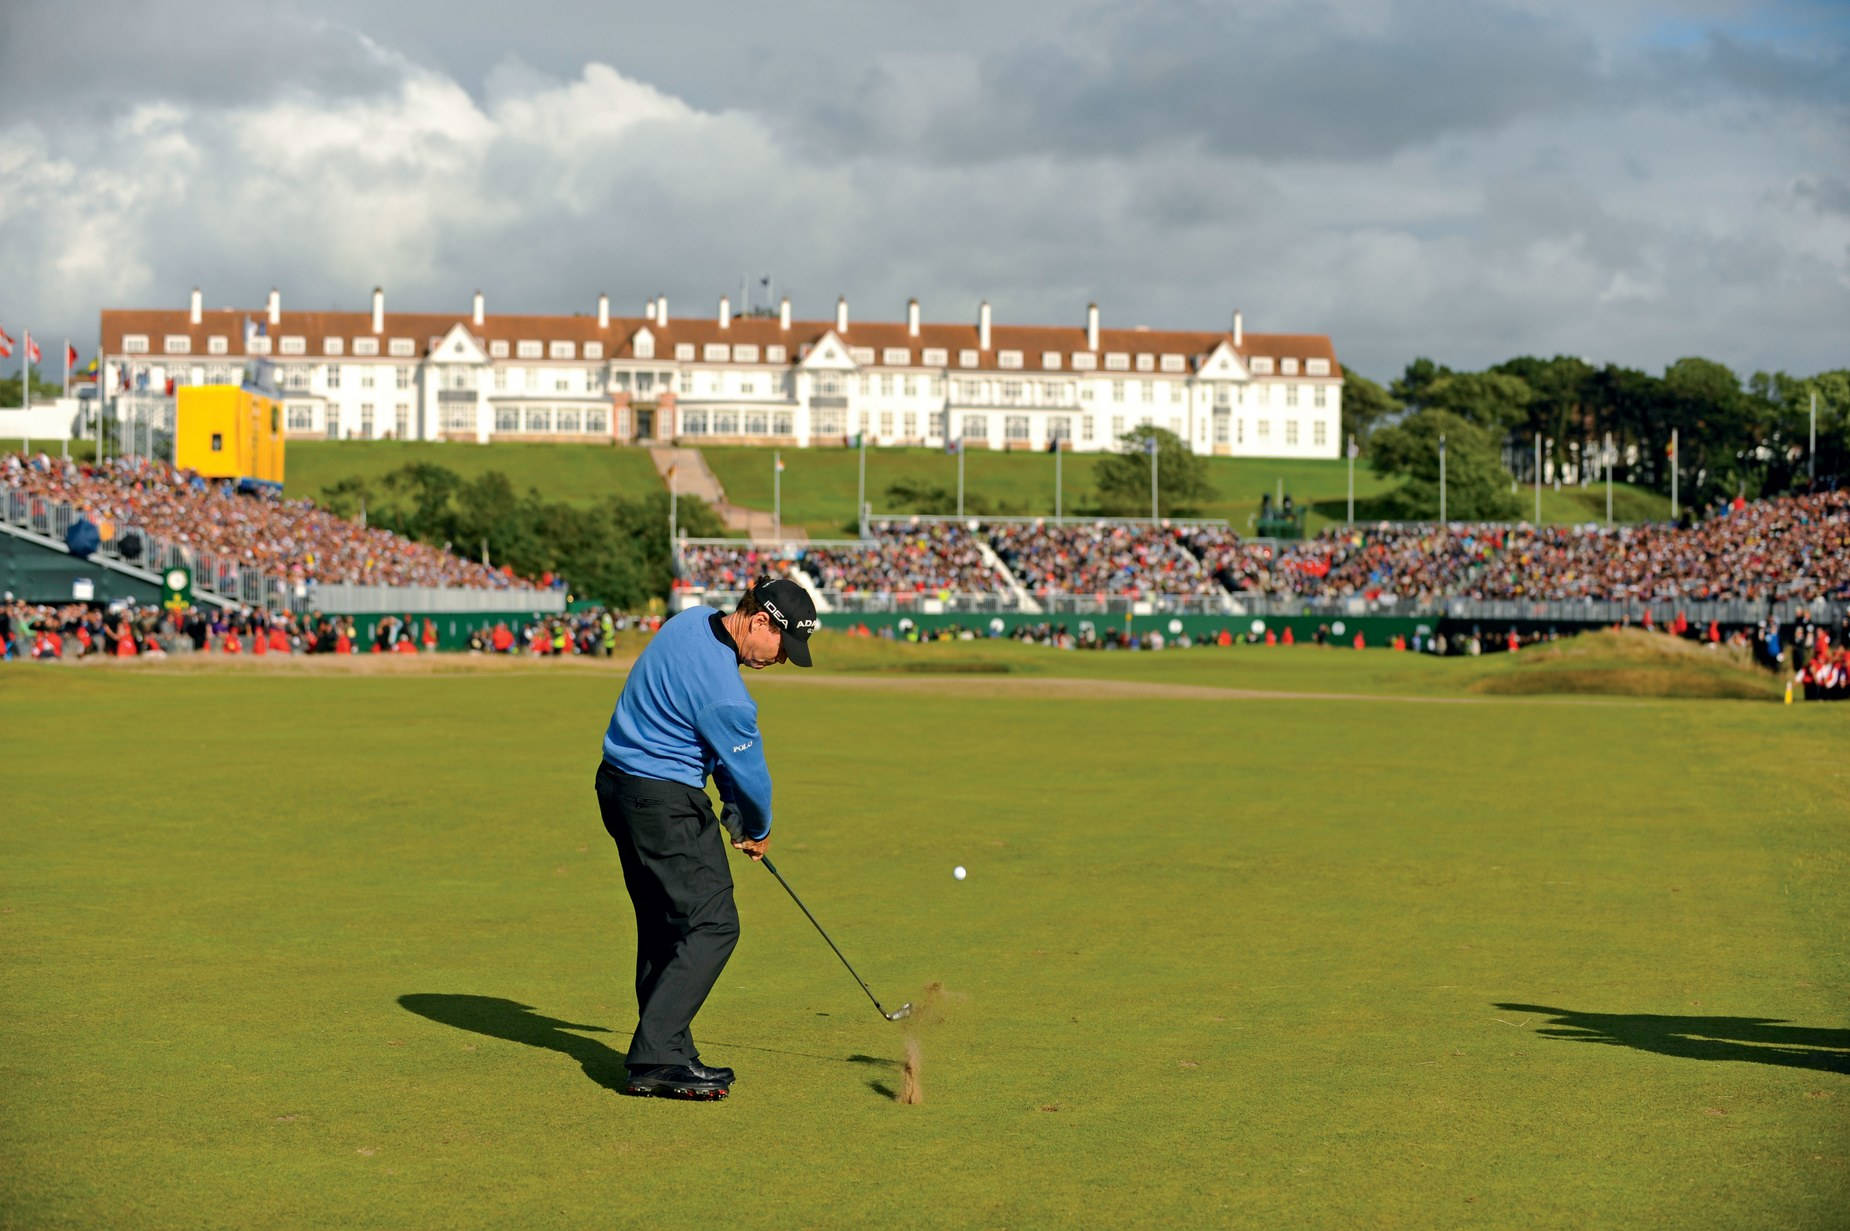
(684, 714)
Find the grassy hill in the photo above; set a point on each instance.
(572, 473)
(819, 486)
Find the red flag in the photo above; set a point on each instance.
(6, 345)
(32, 348)
(70, 355)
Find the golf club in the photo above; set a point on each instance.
(904, 1010)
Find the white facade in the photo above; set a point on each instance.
(768, 380)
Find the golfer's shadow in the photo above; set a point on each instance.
(518, 1023)
(1757, 1040)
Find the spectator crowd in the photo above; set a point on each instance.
(231, 532)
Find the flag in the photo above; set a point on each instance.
(32, 348)
(780, 465)
(1149, 444)
(70, 355)
(6, 345)
(1355, 450)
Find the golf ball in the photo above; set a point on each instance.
(958, 872)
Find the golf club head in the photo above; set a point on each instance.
(904, 1010)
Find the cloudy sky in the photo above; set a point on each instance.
(1626, 180)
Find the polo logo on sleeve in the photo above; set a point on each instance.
(742, 747)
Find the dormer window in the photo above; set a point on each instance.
(967, 358)
(403, 348)
(529, 349)
(934, 357)
(1008, 359)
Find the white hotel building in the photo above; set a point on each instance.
(760, 379)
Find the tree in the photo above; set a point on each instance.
(1123, 478)
(1494, 401)
(1365, 404)
(42, 390)
(1477, 487)
(1410, 388)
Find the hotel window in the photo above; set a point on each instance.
(404, 421)
(539, 419)
(1059, 427)
(828, 384)
(895, 356)
(562, 350)
(912, 386)
(1015, 427)
(1239, 431)
(968, 358)
(1265, 429)
(1117, 362)
(562, 383)
(886, 424)
(1085, 428)
(529, 349)
(742, 353)
(911, 429)
(366, 420)
(135, 344)
(594, 350)
(366, 346)
(1223, 427)
(684, 351)
(217, 346)
(976, 427)
(1318, 433)
(177, 344)
(934, 387)
(1008, 359)
(401, 348)
(1149, 390)
(747, 386)
(1011, 391)
(597, 422)
(826, 422)
(497, 350)
(645, 347)
(1291, 431)
(1316, 367)
(500, 380)
(1317, 397)
(301, 417)
(1262, 365)
(594, 379)
(1146, 363)
(459, 417)
(725, 423)
(1050, 360)
(507, 418)
(693, 423)
(867, 386)
(715, 352)
(1084, 361)
(935, 357)
(1173, 363)
(366, 378)
(296, 378)
(1117, 391)
(1291, 395)
(568, 420)
(333, 376)
(782, 423)
(1288, 367)
(404, 376)
(1117, 426)
(886, 386)
(757, 423)
(776, 354)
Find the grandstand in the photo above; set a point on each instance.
(246, 550)
(1745, 561)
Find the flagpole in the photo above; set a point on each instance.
(1057, 451)
(860, 491)
(1538, 478)
(1811, 464)
(674, 509)
(1442, 480)
(777, 494)
(960, 476)
(1352, 480)
(67, 393)
(1675, 465)
(1153, 474)
(1608, 480)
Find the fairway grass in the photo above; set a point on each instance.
(574, 474)
(350, 949)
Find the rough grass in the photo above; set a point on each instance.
(1631, 663)
(331, 950)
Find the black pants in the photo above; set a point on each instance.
(674, 865)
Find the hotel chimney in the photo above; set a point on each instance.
(276, 307)
(912, 317)
(603, 311)
(725, 312)
(1239, 328)
(1091, 326)
(841, 315)
(783, 314)
(378, 309)
(481, 309)
(982, 326)
(198, 308)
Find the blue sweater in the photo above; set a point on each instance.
(685, 714)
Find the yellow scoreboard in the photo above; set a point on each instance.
(228, 432)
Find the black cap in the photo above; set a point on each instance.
(793, 611)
